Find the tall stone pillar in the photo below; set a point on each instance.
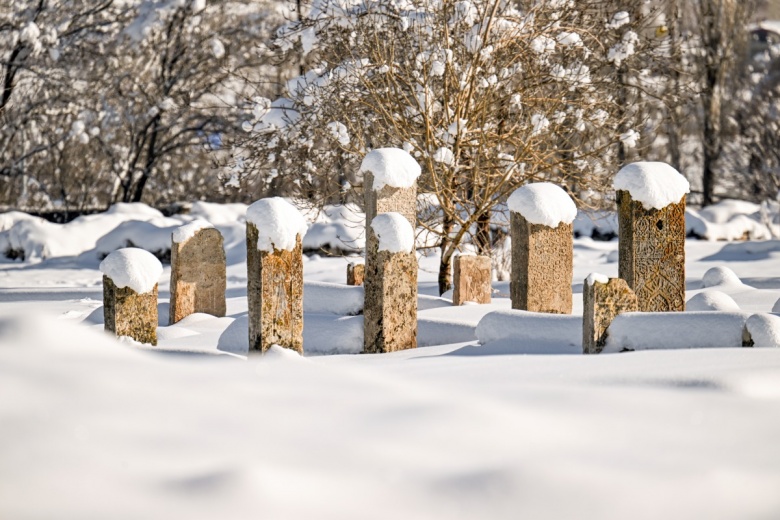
(542, 248)
(198, 272)
(651, 213)
(603, 299)
(472, 276)
(274, 232)
(390, 307)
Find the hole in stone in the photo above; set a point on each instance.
(659, 225)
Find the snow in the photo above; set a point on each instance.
(517, 332)
(543, 203)
(596, 277)
(278, 223)
(391, 167)
(332, 298)
(394, 232)
(183, 233)
(718, 276)
(711, 300)
(654, 184)
(764, 330)
(134, 268)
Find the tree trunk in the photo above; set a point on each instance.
(482, 236)
(445, 276)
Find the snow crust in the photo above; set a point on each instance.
(711, 300)
(764, 330)
(278, 223)
(394, 232)
(719, 276)
(391, 167)
(654, 184)
(134, 268)
(543, 203)
(183, 233)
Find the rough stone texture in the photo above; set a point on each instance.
(601, 303)
(198, 278)
(127, 313)
(652, 253)
(390, 306)
(356, 273)
(472, 279)
(542, 266)
(274, 295)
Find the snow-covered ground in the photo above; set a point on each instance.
(92, 427)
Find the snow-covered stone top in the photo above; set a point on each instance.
(132, 267)
(596, 277)
(278, 224)
(543, 203)
(183, 233)
(391, 167)
(394, 232)
(654, 184)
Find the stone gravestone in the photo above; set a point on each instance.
(198, 271)
(542, 248)
(390, 307)
(651, 213)
(130, 278)
(603, 299)
(355, 273)
(472, 276)
(274, 230)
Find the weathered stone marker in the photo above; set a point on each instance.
(356, 273)
(603, 299)
(472, 276)
(198, 277)
(130, 278)
(390, 307)
(651, 213)
(542, 248)
(274, 229)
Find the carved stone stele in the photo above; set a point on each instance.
(652, 253)
(198, 277)
(127, 313)
(601, 303)
(542, 266)
(472, 276)
(355, 273)
(274, 295)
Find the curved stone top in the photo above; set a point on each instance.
(183, 233)
(543, 203)
(394, 232)
(391, 167)
(278, 224)
(132, 267)
(654, 184)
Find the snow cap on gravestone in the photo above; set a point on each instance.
(278, 224)
(132, 267)
(394, 232)
(654, 184)
(391, 167)
(183, 233)
(543, 203)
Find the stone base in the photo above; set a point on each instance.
(601, 303)
(355, 274)
(127, 313)
(274, 295)
(198, 279)
(472, 275)
(542, 266)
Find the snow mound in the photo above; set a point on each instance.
(183, 233)
(133, 208)
(654, 184)
(764, 330)
(543, 203)
(518, 332)
(717, 276)
(711, 300)
(737, 227)
(391, 167)
(153, 236)
(278, 224)
(336, 228)
(776, 307)
(332, 298)
(219, 214)
(394, 232)
(134, 268)
(675, 330)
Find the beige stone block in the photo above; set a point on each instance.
(472, 276)
(652, 253)
(274, 295)
(198, 275)
(601, 303)
(542, 266)
(355, 273)
(127, 313)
